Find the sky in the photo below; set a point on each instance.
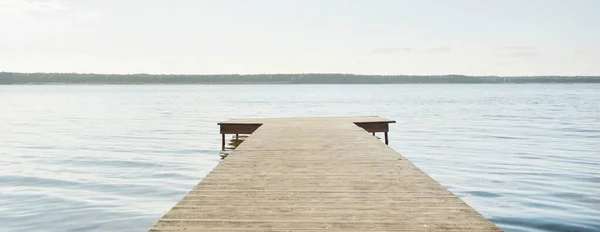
(406, 37)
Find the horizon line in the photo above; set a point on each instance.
(312, 73)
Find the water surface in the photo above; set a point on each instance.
(116, 158)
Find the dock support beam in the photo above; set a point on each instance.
(386, 139)
(222, 142)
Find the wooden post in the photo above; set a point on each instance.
(373, 133)
(236, 136)
(222, 142)
(386, 139)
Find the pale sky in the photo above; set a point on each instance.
(472, 37)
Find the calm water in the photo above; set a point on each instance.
(116, 158)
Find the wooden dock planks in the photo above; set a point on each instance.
(319, 174)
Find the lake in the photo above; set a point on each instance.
(117, 157)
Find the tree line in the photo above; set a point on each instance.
(12, 78)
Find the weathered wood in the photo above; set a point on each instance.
(374, 127)
(323, 174)
(238, 128)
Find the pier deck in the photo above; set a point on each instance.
(318, 174)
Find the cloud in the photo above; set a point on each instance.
(363, 63)
(520, 54)
(388, 50)
(516, 51)
(393, 50)
(33, 6)
(440, 49)
(88, 15)
(584, 51)
(48, 6)
(81, 56)
(516, 48)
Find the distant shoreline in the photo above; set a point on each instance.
(11, 78)
(98, 84)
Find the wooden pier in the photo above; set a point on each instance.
(318, 174)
